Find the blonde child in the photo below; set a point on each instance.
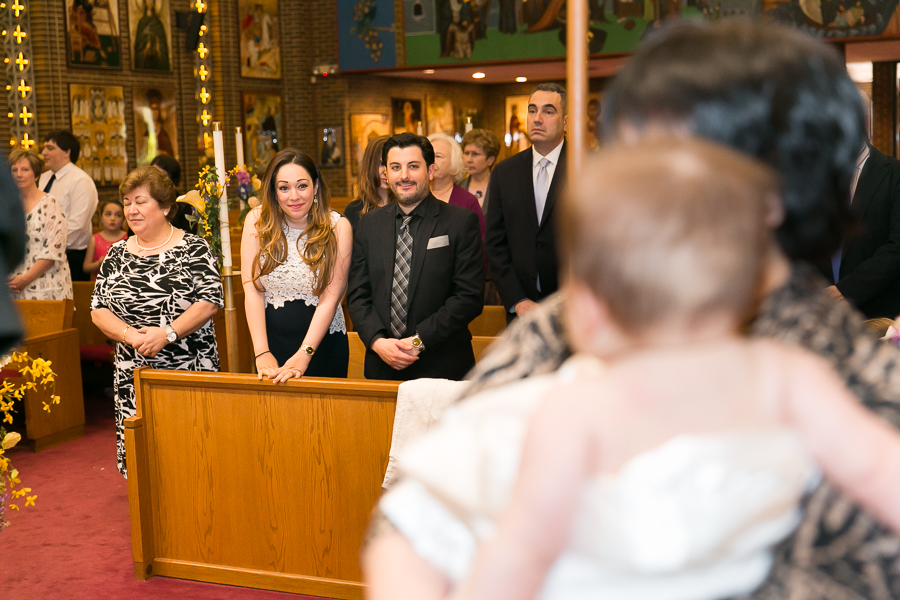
(112, 216)
(672, 470)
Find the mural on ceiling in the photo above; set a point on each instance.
(437, 32)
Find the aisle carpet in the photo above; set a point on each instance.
(75, 543)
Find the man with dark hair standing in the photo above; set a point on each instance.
(867, 268)
(417, 274)
(75, 191)
(520, 239)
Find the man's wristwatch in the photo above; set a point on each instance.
(171, 335)
(417, 343)
(308, 349)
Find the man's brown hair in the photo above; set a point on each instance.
(669, 230)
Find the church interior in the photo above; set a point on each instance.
(237, 487)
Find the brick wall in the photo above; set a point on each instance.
(308, 36)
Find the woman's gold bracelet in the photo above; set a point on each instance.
(127, 327)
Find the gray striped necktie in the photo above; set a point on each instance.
(401, 279)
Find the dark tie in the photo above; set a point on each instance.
(401, 279)
(49, 184)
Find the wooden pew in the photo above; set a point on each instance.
(490, 322)
(244, 343)
(65, 421)
(93, 344)
(480, 344)
(241, 482)
(45, 316)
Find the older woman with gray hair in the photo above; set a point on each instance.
(449, 170)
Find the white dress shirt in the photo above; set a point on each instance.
(77, 196)
(553, 157)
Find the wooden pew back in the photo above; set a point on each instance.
(41, 317)
(237, 481)
(490, 322)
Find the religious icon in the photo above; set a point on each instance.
(440, 115)
(155, 123)
(92, 28)
(98, 121)
(331, 146)
(150, 26)
(364, 128)
(260, 56)
(407, 116)
(262, 129)
(515, 137)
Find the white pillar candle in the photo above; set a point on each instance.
(239, 144)
(224, 227)
(468, 124)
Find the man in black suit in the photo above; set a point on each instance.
(416, 275)
(868, 269)
(520, 239)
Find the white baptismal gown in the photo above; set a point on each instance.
(695, 518)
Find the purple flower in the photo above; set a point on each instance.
(243, 178)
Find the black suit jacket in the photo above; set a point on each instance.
(446, 288)
(517, 247)
(870, 260)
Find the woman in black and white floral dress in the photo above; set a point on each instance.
(156, 294)
(44, 273)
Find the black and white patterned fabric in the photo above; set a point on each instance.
(153, 291)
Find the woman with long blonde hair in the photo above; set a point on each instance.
(295, 256)
(374, 191)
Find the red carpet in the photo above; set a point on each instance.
(75, 543)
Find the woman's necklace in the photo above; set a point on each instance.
(142, 249)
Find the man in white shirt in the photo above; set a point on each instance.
(520, 239)
(75, 191)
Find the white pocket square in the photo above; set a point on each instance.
(439, 242)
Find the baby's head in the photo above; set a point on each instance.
(664, 241)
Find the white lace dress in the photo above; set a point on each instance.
(46, 230)
(290, 305)
(693, 519)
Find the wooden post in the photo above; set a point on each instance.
(576, 84)
(884, 106)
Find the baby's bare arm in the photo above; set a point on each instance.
(536, 526)
(393, 571)
(858, 451)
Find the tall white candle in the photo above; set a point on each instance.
(468, 124)
(224, 227)
(239, 144)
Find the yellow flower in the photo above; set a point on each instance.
(29, 501)
(194, 199)
(10, 440)
(256, 183)
(14, 477)
(14, 507)
(7, 418)
(46, 406)
(55, 399)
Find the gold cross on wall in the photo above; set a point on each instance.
(204, 96)
(206, 118)
(27, 142)
(19, 35)
(202, 50)
(204, 72)
(21, 61)
(23, 89)
(25, 115)
(18, 7)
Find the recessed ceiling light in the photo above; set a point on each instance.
(521, 79)
(477, 75)
(428, 71)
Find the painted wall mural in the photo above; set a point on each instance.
(439, 32)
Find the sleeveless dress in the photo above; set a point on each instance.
(153, 291)
(290, 306)
(101, 248)
(695, 518)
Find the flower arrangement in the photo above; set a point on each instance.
(247, 186)
(205, 200)
(38, 374)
